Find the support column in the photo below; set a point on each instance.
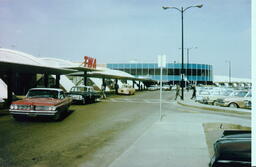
(10, 86)
(116, 85)
(103, 82)
(57, 84)
(133, 83)
(46, 80)
(85, 78)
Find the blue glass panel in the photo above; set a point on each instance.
(177, 65)
(145, 66)
(169, 65)
(151, 66)
(127, 66)
(139, 65)
(193, 66)
(133, 66)
(114, 66)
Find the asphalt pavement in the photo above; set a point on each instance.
(119, 131)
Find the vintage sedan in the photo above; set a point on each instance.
(217, 94)
(126, 90)
(238, 100)
(233, 149)
(83, 94)
(41, 102)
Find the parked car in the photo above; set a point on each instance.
(41, 102)
(152, 87)
(238, 100)
(83, 94)
(233, 149)
(166, 87)
(216, 94)
(126, 89)
(201, 94)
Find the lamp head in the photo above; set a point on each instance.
(165, 7)
(199, 6)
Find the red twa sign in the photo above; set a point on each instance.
(89, 62)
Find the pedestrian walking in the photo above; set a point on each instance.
(177, 91)
(103, 88)
(194, 92)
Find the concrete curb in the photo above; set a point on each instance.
(216, 109)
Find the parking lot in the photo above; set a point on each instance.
(109, 132)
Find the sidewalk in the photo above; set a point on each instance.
(176, 141)
(168, 143)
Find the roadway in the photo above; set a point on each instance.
(107, 134)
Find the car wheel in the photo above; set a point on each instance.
(93, 99)
(214, 103)
(18, 117)
(84, 101)
(233, 105)
(57, 116)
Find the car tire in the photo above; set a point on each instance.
(93, 100)
(57, 116)
(84, 101)
(233, 105)
(214, 103)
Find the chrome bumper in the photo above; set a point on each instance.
(32, 112)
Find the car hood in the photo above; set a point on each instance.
(38, 101)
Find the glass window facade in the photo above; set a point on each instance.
(201, 73)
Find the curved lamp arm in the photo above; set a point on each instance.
(196, 6)
(171, 7)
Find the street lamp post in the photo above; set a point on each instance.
(188, 49)
(182, 47)
(229, 70)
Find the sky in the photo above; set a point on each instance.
(120, 31)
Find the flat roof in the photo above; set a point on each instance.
(32, 69)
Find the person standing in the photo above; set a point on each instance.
(177, 91)
(103, 88)
(194, 92)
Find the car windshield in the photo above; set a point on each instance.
(240, 94)
(79, 89)
(249, 94)
(226, 93)
(43, 93)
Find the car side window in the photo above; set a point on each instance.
(62, 95)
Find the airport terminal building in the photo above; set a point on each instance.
(194, 73)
